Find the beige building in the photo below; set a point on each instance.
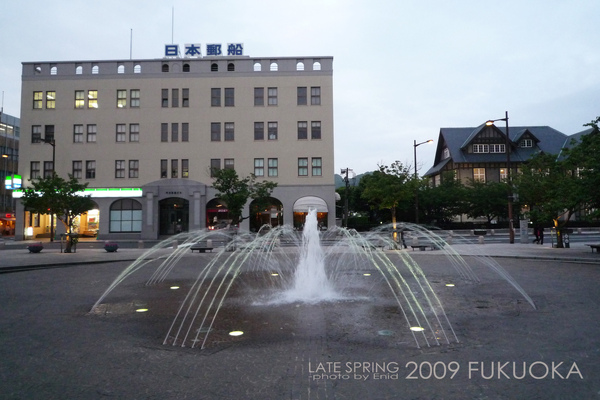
(145, 135)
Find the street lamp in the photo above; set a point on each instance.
(417, 186)
(511, 232)
(51, 142)
(346, 172)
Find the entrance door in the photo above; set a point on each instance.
(174, 216)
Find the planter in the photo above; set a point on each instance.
(111, 247)
(35, 248)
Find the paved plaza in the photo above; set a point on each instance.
(53, 347)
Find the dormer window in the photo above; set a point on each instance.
(497, 148)
(526, 143)
(481, 148)
(445, 153)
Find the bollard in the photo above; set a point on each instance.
(175, 244)
(481, 240)
(209, 243)
(140, 244)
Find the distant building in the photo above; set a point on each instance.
(480, 153)
(146, 134)
(9, 163)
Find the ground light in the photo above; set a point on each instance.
(417, 328)
(140, 310)
(174, 287)
(236, 333)
(450, 284)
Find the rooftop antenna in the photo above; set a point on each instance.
(131, 43)
(172, 24)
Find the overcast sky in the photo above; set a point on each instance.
(402, 69)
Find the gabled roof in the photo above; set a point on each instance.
(547, 139)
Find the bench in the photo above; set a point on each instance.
(421, 247)
(372, 246)
(201, 249)
(594, 246)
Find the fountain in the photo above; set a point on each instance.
(321, 268)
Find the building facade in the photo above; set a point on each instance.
(9, 163)
(147, 134)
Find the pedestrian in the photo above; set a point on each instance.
(536, 232)
(541, 234)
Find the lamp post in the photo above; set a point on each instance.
(346, 173)
(417, 186)
(511, 232)
(51, 142)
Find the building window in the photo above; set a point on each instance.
(317, 165)
(185, 97)
(48, 133)
(273, 166)
(259, 131)
(174, 132)
(121, 133)
(185, 168)
(135, 98)
(79, 70)
(273, 66)
(315, 130)
(120, 169)
(231, 67)
(164, 132)
(79, 99)
(215, 165)
(257, 67)
(303, 166)
(497, 148)
(175, 98)
(48, 169)
(137, 69)
(259, 96)
(121, 98)
(272, 130)
(481, 148)
(526, 143)
(229, 132)
(445, 153)
(259, 167)
(174, 168)
(36, 134)
(228, 163)
(185, 132)
(90, 169)
(34, 169)
(164, 98)
(95, 69)
(163, 168)
(479, 174)
(38, 100)
(134, 132)
(229, 97)
(77, 133)
(503, 175)
(134, 168)
(186, 67)
(215, 97)
(215, 132)
(302, 130)
(51, 99)
(302, 99)
(165, 68)
(214, 67)
(121, 69)
(315, 96)
(91, 133)
(78, 169)
(126, 216)
(92, 99)
(272, 96)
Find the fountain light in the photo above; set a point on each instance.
(140, 310)
(274, 274)
(236, 333)
(417, 329)
(174, 287)
(450, 284)
(367, 274)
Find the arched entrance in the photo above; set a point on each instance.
(303, 205)
(217, 214)
(87, 223)
(174, 216)
(265, 212)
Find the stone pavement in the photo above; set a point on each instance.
(53, 347)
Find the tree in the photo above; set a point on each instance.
(486, 199)
(389, 188)
(55, 195)
(552, 189)
(443, 202)
(235, 192)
